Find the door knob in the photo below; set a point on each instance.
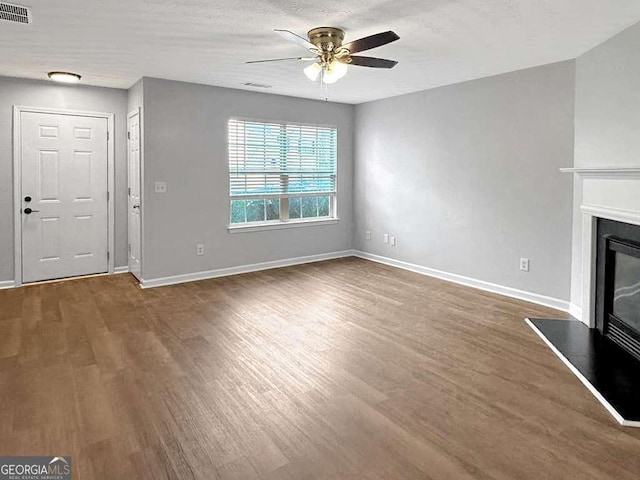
(29, 211)
(136, 206)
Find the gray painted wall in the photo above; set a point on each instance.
(466, 177)
(14, 91)
(607, 119)
(185, 132)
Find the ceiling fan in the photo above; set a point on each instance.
(330, 57)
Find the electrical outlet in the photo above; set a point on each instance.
(367, 235)
(160, 187)
(386, 238)
(200, 249)
(524, 264)
(393, 241)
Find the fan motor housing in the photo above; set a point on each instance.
(327, 39)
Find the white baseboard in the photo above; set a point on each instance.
(255, 267)
(470, 282)
(619, 418)
(451, 277)
(575, 311)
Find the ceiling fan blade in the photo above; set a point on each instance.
(373, 41)
(298, 59)
(371, 62)
(297, 39)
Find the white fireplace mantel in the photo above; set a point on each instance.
(604, 172)
(608, 192)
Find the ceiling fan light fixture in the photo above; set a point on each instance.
(331, 57)
(312, 71)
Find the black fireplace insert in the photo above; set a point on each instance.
(618, 283)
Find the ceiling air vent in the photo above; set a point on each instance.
(257, 85)
(15, 13)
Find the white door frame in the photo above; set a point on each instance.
(132, 113)
(17, 180)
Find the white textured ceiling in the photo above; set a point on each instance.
(115, 42)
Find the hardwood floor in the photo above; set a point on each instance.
(340, 369)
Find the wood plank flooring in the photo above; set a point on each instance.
(344, 369)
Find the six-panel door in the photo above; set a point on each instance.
(64, 172)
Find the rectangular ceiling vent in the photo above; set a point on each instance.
(257, 85)
(15, 13)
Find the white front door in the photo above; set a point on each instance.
(64, 195)
(133, 128)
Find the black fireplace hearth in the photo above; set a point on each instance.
(608, 371)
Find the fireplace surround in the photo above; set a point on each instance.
(607, 193)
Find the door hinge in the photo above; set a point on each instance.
(129, 191)
(108, 255)
(129, 248)
(107, 195)
(128, 135)
(108, 134)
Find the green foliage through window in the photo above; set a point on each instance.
(268, 209)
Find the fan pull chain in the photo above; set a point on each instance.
(324, 87)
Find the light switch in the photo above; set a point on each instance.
(161, 187)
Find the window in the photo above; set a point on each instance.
(281, 172)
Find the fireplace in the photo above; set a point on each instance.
(603, 348)
(617, 309)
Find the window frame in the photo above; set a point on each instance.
(333, 217)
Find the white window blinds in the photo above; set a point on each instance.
(281, 160)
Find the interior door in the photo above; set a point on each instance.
(64, 195)
(135, 248)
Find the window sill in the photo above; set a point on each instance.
(260, 227)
